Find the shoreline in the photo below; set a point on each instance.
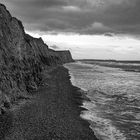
(80, 97)
(84, 98)
(53, 112)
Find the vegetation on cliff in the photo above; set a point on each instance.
(22, 60)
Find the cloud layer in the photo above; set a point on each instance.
(105, 46)
(78, 16)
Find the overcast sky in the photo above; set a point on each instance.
(106, 29)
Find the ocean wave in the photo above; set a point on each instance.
(114, 109)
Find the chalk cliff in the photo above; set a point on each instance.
(22, 60)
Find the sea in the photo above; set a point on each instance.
(114, 92)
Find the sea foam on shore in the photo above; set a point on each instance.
(114, 99)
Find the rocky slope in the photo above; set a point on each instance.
(22, 60)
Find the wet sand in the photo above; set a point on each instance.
(53, 113)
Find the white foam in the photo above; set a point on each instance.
(103, 127)
(110, 81)
(72, 77)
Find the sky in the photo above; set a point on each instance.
(92, 29)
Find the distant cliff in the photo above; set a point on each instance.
(65, 56)
(22, 60)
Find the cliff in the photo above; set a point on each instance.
(65, 56)
(22, 60)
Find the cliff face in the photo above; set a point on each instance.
(22, 60)
(65, 56)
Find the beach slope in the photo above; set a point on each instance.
(52, 114)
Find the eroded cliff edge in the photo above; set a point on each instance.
(22, 60)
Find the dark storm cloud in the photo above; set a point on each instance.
(79, 16)
(36, 3)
